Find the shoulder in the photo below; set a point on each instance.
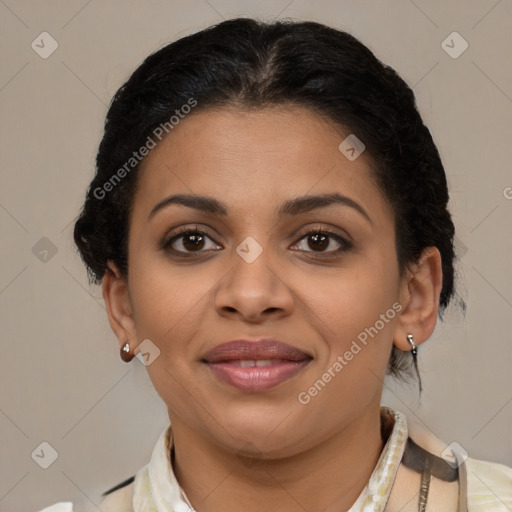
(117, 499)
(62, 506)
(489, 485)
(121, 497)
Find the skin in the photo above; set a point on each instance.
(236, 450)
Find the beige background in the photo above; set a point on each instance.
(61, 378)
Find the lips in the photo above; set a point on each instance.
(255, 365)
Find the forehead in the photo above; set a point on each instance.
(245, 156)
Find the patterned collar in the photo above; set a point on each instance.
(156, 488)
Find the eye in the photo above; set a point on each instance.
(319, 240)
(189, 240)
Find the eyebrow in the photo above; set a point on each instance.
(290, 207)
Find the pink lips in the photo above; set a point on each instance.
(255, 365)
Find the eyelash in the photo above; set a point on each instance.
(183, 232)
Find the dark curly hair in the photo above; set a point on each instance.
(251, 64)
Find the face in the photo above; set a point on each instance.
(319, 276)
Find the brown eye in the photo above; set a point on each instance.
(193, 241)
(319, 241)
(189, 241)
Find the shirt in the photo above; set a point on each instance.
(392, 487)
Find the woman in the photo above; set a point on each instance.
(269, 222)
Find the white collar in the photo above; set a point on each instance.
(156, 488)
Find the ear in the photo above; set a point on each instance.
(118, 304)
(419, 295)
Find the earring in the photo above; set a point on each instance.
(414, 353)
(125, 353)
(414, 349)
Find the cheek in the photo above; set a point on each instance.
(353, 298)
(358, 319)
(168, 301)
(356, 311)
(169, 307)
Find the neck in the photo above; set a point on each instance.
(326, 478)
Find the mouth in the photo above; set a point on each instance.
(255, 365)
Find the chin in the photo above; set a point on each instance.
(261, 430)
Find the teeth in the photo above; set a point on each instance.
(264, 362)
(259, 362)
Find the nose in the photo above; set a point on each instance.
(253, 290)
